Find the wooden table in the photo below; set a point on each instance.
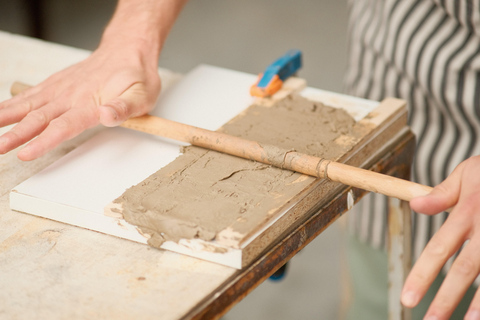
(56, 271)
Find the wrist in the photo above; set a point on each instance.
(141, 24)
(131, 48)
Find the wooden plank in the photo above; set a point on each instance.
(55, 201)
(272, 220)
(399, 256)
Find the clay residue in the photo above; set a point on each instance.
(275, 155)
(295, 123)
(203, 192)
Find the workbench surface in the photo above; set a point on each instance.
(50, 270)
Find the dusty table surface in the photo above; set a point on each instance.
(50, 270)
(56, 271)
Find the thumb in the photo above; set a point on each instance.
(133, 102)
(443, 197)
(112, 113)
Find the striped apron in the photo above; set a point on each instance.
(428, 53)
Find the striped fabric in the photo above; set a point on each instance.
(428, 53)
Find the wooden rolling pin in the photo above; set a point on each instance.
(271, 155)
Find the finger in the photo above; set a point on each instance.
(29, 127)
(21, 91)
(65, 127)
(443, 196)
(462, 274)
(9, 102)
(473, 312)
(15, 109)
(439, 249)
(469, 199)
(133, 102)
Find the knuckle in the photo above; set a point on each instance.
(469, 203)
(441, 305)
(39, 117)
(13, 139)
(441, 189)
(62, 123)
(465, 266)
(437, 249)
(120, 107)
(420, 278)
(12, 136)
(26, 106)
(70, 126)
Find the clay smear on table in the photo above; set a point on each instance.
(208, 195)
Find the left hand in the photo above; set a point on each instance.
(461, 190)
(113, 84)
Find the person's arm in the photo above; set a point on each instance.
(117, 81)
(461, 190)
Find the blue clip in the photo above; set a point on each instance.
(285, 66)
(272, 79)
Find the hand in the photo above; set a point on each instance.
(461, 190)
(113, 84)
(119, 80)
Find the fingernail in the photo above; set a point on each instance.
(409, 298)
(473, 315)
